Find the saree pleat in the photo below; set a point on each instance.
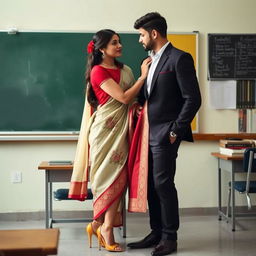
(108, 154)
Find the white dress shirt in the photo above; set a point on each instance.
(155, 59)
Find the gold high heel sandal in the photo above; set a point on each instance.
(102, 243)
(90, 232)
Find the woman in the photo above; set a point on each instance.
(111, 89)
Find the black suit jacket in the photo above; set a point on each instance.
(174, 98)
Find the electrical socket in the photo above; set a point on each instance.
(16, 177)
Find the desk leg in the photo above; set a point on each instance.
(219, 190)
(233, 201)
(50, 205)
(46, 198)
(124, 215)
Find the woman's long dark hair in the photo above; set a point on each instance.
(100, 40)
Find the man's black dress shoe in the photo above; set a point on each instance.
(165, 247)
(149, 241)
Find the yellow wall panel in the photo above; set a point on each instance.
(187, 42)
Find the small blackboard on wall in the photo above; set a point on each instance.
(231, 56)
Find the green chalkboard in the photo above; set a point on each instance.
(42, 78)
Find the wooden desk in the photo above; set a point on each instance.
(62, 173)
(226, 157)
(55, 173)
(31, 242)
(231, 164)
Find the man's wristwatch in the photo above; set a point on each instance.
(172, 134)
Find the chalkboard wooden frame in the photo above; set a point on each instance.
(231, 56)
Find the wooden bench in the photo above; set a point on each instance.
(29, 242)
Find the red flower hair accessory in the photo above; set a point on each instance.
(90, 47)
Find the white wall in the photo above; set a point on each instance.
(196, 170)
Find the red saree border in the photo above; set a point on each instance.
(78, 190)
(106, 199)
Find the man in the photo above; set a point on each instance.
(173, 98)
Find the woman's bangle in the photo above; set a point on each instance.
(140, 78)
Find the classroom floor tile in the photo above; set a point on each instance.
(198, 236)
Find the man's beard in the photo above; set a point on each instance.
(149, 46)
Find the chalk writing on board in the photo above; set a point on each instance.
(232, 56)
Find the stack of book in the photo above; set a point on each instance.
(234, 147)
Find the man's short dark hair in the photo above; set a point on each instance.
(150, 21)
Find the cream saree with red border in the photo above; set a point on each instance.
(105, 160)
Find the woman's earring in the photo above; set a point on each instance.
(103, 55)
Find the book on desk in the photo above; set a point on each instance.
(60, 162)
(231, 152)
(235, 147)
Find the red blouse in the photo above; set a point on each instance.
(99, 75)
